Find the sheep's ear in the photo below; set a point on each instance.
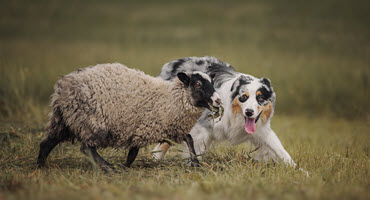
(184, 78)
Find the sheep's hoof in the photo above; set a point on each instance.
(125, 166)
(40, 164)
(189, 163)
(195, 163)
(109, 170)
(122, 166)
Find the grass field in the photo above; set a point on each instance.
(316, 53)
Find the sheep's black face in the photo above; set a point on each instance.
(201, 88)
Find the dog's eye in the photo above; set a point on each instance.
(197, 84)
(260, 98)
(243, 98)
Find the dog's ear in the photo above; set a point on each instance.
(184, 78)
(266, 81)
(242, 80)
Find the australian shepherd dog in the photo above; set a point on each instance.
(248, 108)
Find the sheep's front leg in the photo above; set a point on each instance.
(131, 156)
(193, 156)
(91, 151)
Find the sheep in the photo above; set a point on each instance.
(111, 105)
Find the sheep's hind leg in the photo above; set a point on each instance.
(45, 148)
(132, 156)
(193, 156)
(91, 151)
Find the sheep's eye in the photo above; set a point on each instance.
(197, 84)
(243, 98)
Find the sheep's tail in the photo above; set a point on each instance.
(56, 127)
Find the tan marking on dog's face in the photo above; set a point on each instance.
(258, 93)
(266, 112)
(236, 106)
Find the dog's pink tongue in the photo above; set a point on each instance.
(250, 125)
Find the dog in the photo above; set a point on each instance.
(248, 103)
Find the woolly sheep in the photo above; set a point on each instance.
(110, 105)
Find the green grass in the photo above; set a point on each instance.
(316, 54)
(334, 152)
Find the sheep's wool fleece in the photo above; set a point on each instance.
(112, 105)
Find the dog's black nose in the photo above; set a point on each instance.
(249, 112)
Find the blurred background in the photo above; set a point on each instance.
(316, 53)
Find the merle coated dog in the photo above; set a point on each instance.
(249, 106)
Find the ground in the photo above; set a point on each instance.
(316, 53)
(334, 152)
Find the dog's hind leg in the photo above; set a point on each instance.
(201, 139)
(159, 152)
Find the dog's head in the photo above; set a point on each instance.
(254, 99)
